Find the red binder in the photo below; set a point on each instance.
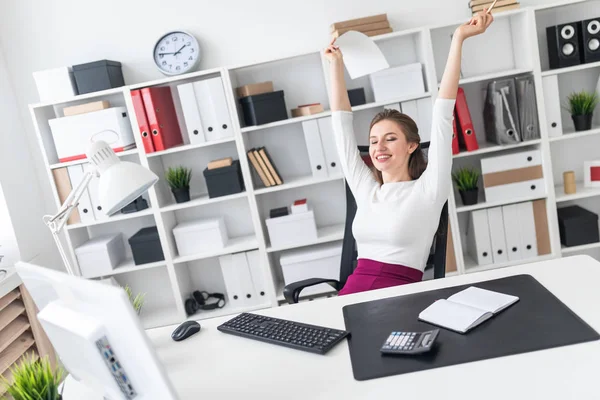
(140, 114)
(467, 133)
(162, 117)
(455, 148)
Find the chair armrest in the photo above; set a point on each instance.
(292, 291)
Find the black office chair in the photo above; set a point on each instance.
(436, 259)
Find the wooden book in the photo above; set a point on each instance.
(270, 165)
(497, 9)
(370, 33)
(358, 21)
(500, 3)
(264, 168)
(365, 27)
(64, 188)
(257, 168)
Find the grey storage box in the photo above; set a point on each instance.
(577, 226)
(145, 246)
(357, 97)
(100, 255)
(225, 180)
(97, 76)
(264, 108)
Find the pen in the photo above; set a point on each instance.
(492, 6)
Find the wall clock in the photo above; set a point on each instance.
(176, 53)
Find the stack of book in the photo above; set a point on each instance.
(264, 167)
(501, 5)
(370, 26)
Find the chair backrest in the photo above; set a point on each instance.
(437, 255)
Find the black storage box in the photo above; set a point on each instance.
(98, 75)
(224, 181)
(145, 246)
(264, 108)
(357, 97)
(577, 226)
(138, 204)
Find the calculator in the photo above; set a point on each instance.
(409, 342)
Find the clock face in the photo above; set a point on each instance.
(176, 53)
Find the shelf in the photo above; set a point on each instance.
(471, 265)
(227, 310)
(493, 75)
(10, 313)
(188, 147)
(114, 218)
(174, 79)
(202, 200)
(85, 160)
(9, 334)
(102, 93)
(575, 135)
(288, 121)
(163, 316)
(13, 353)
(483, 205)
(567, 70)
(575, 249)
(581, 193)
(129, 266)
(235, 245)
(391, 101)
(296, 182)
(9, 298)
(325, 234)
(486, 148)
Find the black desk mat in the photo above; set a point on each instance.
(537, 321)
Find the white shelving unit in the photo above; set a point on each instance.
(514, 45)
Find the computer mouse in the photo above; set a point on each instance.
(185, 330)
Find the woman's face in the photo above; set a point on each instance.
(388, 147)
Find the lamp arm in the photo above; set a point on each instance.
(57, 221)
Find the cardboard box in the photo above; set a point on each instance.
(86, 108)
(308, 109)
(223, 162)
(254, 89)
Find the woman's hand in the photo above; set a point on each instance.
(332, 52)
(476, 26)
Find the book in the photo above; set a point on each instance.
(270, 166)
(466, 309)
(370, 33)
(257, 168)
(263, 166)
(500, 3)
(358, 21)
(498, 10)
(366, 27)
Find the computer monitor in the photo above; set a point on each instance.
(97, 335)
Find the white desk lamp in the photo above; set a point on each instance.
(120, 183)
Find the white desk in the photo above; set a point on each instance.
(214, 365)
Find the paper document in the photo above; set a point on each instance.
(361, 55)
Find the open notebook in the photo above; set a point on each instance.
(466, 309)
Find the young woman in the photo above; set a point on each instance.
(399, 204)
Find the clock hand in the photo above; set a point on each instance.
(179, 51)
(162, 54)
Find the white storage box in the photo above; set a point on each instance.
(201, 235)
(391, 83)
(513, 176)
(55, 84)
(99, 256)
(74, 135)
(322, 261)
(292, 229)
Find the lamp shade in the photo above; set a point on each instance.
(120, 182)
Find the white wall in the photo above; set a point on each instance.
(37, 34)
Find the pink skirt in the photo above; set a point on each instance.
(371, 275)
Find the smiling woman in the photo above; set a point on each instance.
(400, 201)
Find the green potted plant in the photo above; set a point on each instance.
(137, 301)
(581, 106)
(466, 182)
(179, 181)
(34, 379)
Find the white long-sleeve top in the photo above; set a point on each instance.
(395, 222)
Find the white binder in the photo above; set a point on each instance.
(85, 204)
(312, 137)
(425, 114)
(497, 235)
(242, 274)
(512, 231)
(478, 238)
(534, 188)
(332, 158)
(95, 199)
(212, 105)
(527, 230)
(258, 277)
(552, 102)
(191, 114)
(232, 283)
(393, 106)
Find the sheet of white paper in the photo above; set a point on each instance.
(361, 55)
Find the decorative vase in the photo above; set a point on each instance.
(582, 122)
(181, 194)
(469, 197)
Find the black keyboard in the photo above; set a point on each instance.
(313, 338)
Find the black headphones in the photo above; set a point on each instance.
(198, 301)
